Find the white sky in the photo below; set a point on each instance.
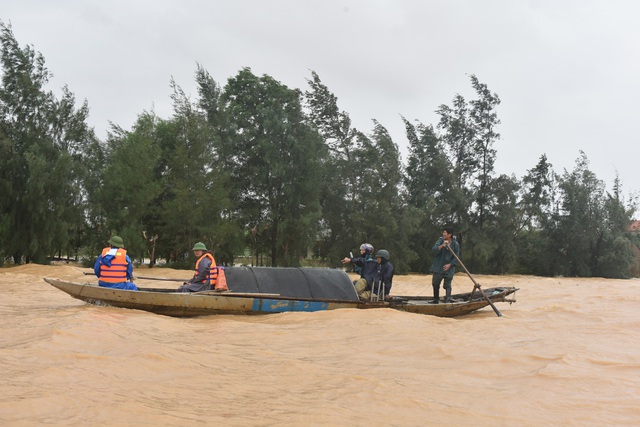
(567, 71)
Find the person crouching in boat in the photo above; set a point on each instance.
(113, 267)
(367, 267)
(385, 273)
(206, 273)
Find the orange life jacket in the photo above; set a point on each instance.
(221, 282)
(117, 271)
(212, 277)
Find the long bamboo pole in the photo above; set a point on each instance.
(476, 284)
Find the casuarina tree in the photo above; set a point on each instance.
(275, 162)
(43, 144)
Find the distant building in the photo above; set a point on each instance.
(634, 227)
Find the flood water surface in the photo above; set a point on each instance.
(566, 353)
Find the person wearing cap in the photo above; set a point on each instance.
(206, 272)
(367, 267)
(113, 267)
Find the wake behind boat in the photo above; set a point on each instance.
(262, 290)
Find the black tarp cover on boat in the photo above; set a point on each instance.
(306, 282)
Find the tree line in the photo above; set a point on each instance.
(281, 175)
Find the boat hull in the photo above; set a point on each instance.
(178, 304)
(186, 304)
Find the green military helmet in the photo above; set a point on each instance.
(383, 253)
(116, 241)
(199, 247)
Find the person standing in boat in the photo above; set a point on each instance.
(444, 264)
(113, 267)
(366, 266)
(206, 272)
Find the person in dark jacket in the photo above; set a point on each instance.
(113, 267)
(367, 267)
(444, 264)
(205, 275)
(384, 277)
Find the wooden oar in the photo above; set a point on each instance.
(149, 278)
(476, 284)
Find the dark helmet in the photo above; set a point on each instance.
(383, 253)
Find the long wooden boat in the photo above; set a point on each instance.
(267, 299)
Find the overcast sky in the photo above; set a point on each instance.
(567, 72)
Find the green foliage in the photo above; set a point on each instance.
(615, 256)
(256, 168)
(129, 187)
(42, 144)
(537, 194)
(502, 224)
(431, 195)
(381, 213)
(581, 218)
(484, 120)
(275, 161)
(195, 196)
(469, 132)
(342, 171)
(361, 198)
(535, 252)
(588, 230)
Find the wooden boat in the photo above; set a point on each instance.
(258, 291)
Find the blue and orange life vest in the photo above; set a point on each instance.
(117, 271)
(212, 277)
